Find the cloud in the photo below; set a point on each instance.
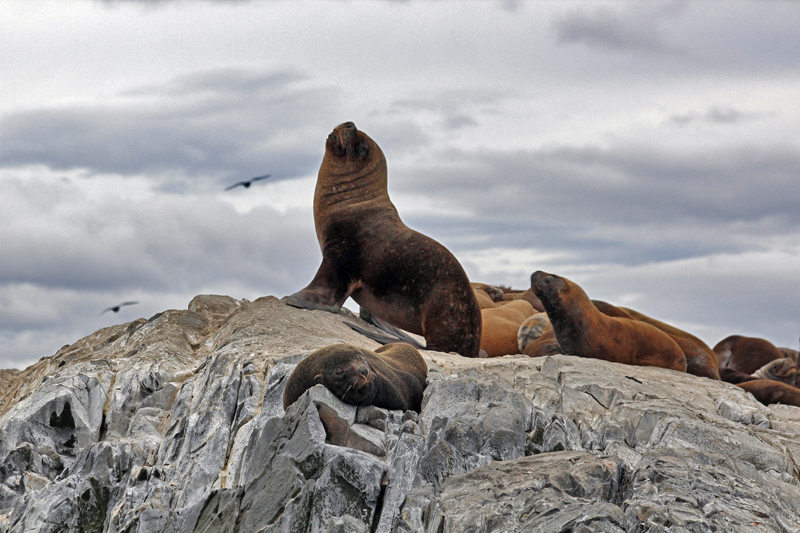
(625, 203)
(719, 116)
(223, 122)
(634, 27)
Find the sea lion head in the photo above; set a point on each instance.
(348, 375)
(345, 141)
(549, 288)
(783, 370)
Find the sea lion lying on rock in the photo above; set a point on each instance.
(783, 370)
(393, 376)
(582, 330)
(700, 359)
(771, 392)
(500, 326)
(745, 354)
(533, 328)
(397, 274)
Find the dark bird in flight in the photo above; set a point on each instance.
(116, 307)
(246, 184)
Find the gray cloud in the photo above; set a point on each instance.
(718, 115)
(636, 26)
(218, 122)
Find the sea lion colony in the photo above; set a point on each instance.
(410, 281)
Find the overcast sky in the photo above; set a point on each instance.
(648, 151)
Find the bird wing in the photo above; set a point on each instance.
(265, 176)
(235, 185)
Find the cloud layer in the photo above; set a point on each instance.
(648, 151)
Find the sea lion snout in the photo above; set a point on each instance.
(345, 140)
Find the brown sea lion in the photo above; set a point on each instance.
(397, 274)
(500, 326)
(730, 375)
(545, 344)
(526, 295)
(745, 354)
(484, 300)
(783, 370)
(533, 328)
(495, 293)
(700, 359)
(582, 330)
(792, 354)
(771, 392)
(392, 377)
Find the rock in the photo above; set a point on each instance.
(176, 424)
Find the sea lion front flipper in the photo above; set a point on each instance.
(326, 291)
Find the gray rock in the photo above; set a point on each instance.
(176, 424)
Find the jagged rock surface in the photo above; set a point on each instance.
(175, 424)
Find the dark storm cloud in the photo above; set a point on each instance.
(219, 122)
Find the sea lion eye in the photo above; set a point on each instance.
(362, 150)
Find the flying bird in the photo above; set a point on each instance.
(247, 184)
(116, 307)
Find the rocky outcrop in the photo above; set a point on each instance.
(176, 424)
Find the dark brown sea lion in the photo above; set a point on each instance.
(392, 377)
(500, 326)
(582, 330)
(730, 375)
(397, 274)
(745, 354)
(771, 392)
(700, 359)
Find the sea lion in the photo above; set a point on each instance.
(792, 354)
(397, 274)
(730, 375)
(484, 300)
(495, 293)
(500, 326)
(783, 370)
(545, 344)
(700, 359)
(745, 354)
(533, 328)
(771, 392)
(392, 377)
(582, 330)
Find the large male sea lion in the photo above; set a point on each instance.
(392, 377)
(745, 354)
(400, 276)
(582, 330)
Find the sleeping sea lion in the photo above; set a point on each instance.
(783, 370)
(500, 326)
(745, 354)
(392, 377)
(397, 274)
(770, 392)
(582, 330)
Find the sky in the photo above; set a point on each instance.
(648, 151)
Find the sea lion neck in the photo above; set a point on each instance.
(351, 180)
